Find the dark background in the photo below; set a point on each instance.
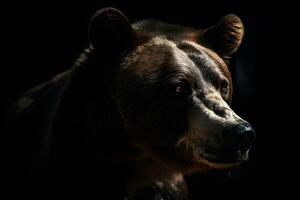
(43, 38)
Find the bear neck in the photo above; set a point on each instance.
(87, 103)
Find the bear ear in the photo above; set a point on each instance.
(226, 36)
(110, 33)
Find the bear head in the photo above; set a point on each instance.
(173, 90)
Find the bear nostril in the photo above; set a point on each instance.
(239, 137)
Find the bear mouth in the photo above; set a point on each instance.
(223, 161)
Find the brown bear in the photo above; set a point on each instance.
(145, 104)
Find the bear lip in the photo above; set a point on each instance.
(222, 163)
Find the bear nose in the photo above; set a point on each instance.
(239, 137)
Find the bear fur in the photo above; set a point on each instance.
(103, 126)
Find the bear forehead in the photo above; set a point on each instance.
(160, 56)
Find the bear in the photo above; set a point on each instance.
(144, 104)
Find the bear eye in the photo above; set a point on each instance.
(178, 89)
(183, 89)
(224, 87)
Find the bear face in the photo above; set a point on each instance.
(173, 90)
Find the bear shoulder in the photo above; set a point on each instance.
(40, 93)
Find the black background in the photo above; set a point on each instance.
(43, 38)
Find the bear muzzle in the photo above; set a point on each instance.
(219, 140)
